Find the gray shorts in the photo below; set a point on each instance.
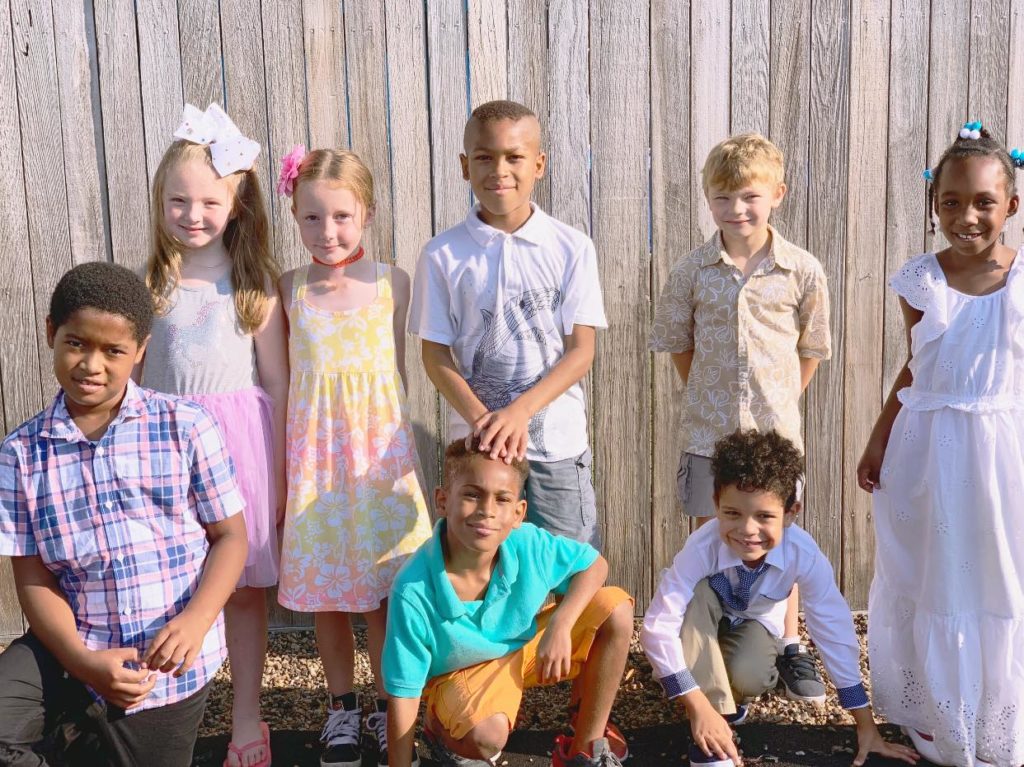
(695, 485)
(560, 498)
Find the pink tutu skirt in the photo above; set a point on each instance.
(245, 418)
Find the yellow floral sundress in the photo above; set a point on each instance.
(355, 506)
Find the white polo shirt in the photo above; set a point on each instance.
(504, 304)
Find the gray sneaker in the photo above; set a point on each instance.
(602, 756)
(445, 757)
(799, 675)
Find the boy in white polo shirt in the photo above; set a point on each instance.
(710, 630)
(506, 305)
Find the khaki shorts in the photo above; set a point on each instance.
(695, 485)
(462, 699)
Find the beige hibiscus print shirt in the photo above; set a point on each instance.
(747, 338)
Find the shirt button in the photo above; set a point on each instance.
(99, 450)
(127, 612)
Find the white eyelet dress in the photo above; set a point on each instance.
(946, 611)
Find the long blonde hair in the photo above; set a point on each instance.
(344, 168)
(254, 270)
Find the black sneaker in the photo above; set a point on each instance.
(799, 675)
(698, 757)
(342, 733)
(378, 723)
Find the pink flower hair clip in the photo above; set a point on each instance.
(290, 170)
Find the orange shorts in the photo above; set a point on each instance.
(461, 699)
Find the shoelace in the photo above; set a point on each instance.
(341, 728)
(378, 722)
(803, 665)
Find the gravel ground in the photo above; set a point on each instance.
(780, 732)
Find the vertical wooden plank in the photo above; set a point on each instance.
(829, 155)
(245, 88)
(487, 28)
(569, 112)
(19, 356)
(948, 78)
(906, 214)
(286, 111)
(709, 107)
(202, 73)
(43, 161)
(865, 280)
(1014, 117)
(367, 88)
(446, 54)
(79, 114)
(789, 125)
(990, 38)
(326, 86)
(123, 133)
(409, 121)
(160, 77)
(751, 60)
(527, 71)
(671, 173)
(622, 377)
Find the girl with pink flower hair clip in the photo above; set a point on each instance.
(356, 510)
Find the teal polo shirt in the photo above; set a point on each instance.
(432, 632)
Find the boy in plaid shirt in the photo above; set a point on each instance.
(119, 510)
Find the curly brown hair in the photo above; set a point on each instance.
(457, 458)
(752, 460)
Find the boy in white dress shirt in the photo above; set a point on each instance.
(710, 631)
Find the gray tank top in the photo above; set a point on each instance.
(198, 346)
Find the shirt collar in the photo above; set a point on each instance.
(447, 601)
(535, 231)
(58, 423)
(781, 255)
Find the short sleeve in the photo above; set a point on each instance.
(672, 328)
(430, 315)
(560, 558)
(16, 538)
(405, 661)
(815, 335)
(213, 492)
(583, 302)
(916, 281)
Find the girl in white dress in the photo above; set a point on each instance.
(944, 464)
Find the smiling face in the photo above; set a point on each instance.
(481, 505)
(973, 202)
(502, 163)
(197, 204)
(743, 213)
(93, 355)
(752, 523)
(331, 219)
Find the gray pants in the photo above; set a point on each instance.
(560, 498)
(732, 664)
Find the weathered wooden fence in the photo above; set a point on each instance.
(860, 95)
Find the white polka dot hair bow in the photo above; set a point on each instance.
(229, 149)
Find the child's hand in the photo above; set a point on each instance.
(105, 672)
(711, 733)
(870, 466)
(554, 653)
(176, 645)
(870, 741)
(504, 433)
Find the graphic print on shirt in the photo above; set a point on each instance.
(184, 339)
(510, 335)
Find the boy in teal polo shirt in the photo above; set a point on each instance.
(466, 630)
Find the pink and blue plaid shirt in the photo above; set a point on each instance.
(120, 521)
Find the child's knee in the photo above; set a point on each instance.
(620, 622)
(751, 676)
(487, 738)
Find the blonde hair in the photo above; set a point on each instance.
(342, 167)
(740, 160)
(247, 240)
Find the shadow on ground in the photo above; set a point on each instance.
(778, 745)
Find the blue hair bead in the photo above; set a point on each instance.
(928, 175)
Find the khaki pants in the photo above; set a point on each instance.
(732, 664)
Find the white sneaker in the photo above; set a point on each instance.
(925, 747)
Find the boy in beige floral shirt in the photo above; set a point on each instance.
(745, 317)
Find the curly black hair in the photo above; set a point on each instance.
(753, 460)
(107, 287)
(984, 146)
(457, 457)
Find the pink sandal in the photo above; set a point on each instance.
(241, 751)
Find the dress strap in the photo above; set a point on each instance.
(384, 281)
(299, 283)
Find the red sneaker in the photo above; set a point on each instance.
(616, 740)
